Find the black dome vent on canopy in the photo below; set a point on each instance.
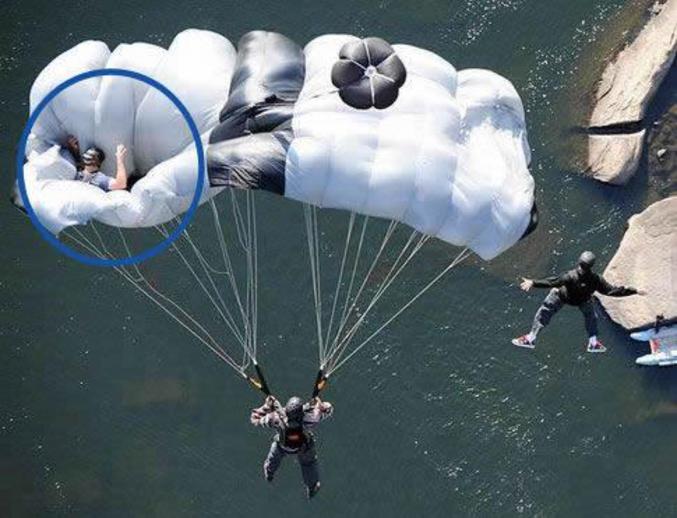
(368, 74)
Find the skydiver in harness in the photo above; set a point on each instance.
(575, 288)
(293, 423)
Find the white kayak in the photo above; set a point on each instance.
(659, 359)
(663, 343)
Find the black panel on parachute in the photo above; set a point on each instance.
(368, 74)
(248, 148)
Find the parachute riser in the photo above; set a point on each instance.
(321, 381)
(258, 382)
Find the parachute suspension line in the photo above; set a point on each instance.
(101, 241)
(333, 345)
(462, 256)
(246, 230)
(350, 302)
(348, 310)
(238, 218)
(400, 263)
(198, 253)
(148, 289)
(225, 255)
(356, 260)
(159, 299)
(312, 235)
(218, 302)
(252, 274)
(248, 244)
(349, 232)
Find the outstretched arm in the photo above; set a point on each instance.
(120, 180)
(549, 282)
(605, 288)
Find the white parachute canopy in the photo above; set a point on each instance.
(391, 131)
(442, 151)
(449, 157)
(111, 110)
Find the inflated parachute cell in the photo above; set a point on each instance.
(442, 151)
(111, 110)
(248, 148)
(368, 74)
(391, 131)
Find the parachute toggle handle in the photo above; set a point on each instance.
(259, 382)
(320, 382)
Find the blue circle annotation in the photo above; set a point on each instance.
(152, 251)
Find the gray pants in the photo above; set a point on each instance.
(307, 460)
(553, 303)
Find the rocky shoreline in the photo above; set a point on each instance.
(617, 132)
(624, 93)
(646, 259)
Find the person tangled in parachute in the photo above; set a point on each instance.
(90, 162)
(293, 423)
(574, 287)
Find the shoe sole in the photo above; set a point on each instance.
(523, 346)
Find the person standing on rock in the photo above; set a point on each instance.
(574, 287)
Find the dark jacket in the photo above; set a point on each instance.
(578, 285)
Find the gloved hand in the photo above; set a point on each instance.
(526, 284)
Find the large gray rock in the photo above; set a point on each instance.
(647, 259)
(627, 86)
(614, 158)
(631, 80)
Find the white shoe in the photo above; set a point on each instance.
(523, 341)
(597, 347)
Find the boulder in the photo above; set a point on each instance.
(646, 259)
(614, 158)
(630, 81)
(623, 95)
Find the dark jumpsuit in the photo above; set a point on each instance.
(575, 288)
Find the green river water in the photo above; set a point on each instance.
(108, 409)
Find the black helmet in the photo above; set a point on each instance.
(294, 409)
(587, 260)
(93, 156)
